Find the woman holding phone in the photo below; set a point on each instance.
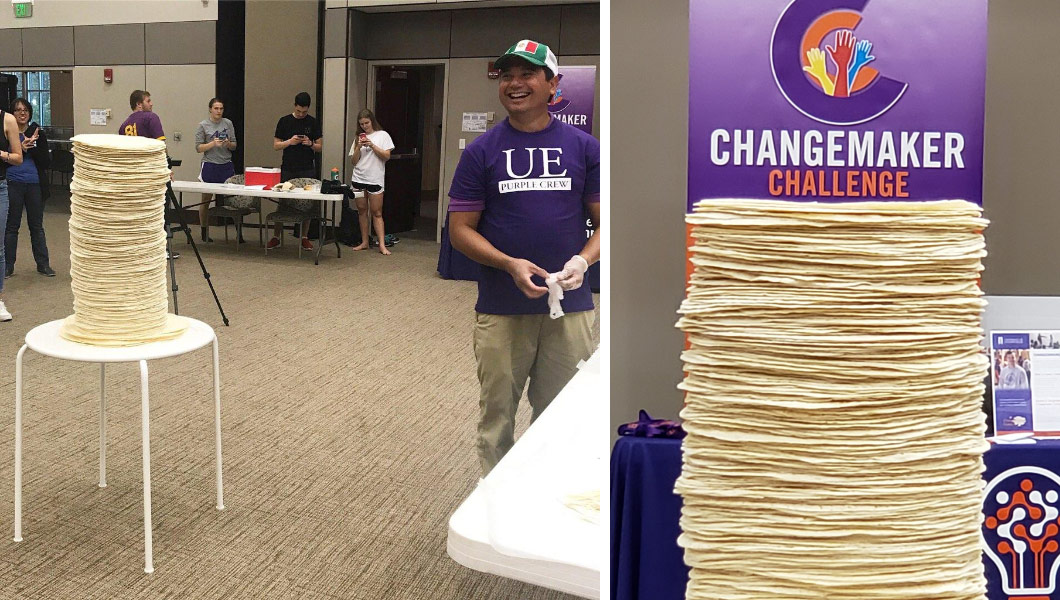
(215, 138)
(369, 154)
(28, 188)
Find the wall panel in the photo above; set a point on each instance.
(647, 261)
(52, 13)
(408, 35)
(91, 92)
(181, 43)
(489, 32)
(277, 68)
(109, 44)
(11, 42)
(46, 47)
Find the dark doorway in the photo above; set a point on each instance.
(408, 101)
(230, 67)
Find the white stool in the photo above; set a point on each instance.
(46, 340)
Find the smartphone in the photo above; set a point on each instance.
(32, 129)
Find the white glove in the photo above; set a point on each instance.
(573, 273)
(555, 294)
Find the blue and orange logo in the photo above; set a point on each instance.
(559, 101)
(822, 68)
(1021, 531)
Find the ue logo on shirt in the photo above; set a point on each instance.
(551, 178)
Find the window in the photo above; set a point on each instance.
(35, 86)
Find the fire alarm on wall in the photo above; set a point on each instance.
(492, 72)
(108, 75)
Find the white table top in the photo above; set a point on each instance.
(515, 523)
(46, 340)
(231, 189)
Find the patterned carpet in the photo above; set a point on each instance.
(349, 404)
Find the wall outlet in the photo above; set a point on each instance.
(490, 116)
(463, 143)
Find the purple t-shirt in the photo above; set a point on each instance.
(144, 124)
(532, 189)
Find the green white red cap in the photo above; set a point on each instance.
(533, 53)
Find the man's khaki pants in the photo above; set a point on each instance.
(510, 348)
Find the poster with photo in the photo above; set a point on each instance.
(1025, 372)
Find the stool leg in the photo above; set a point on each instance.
(145, 414)
(217, 421)
(102, 425)
(18, 444)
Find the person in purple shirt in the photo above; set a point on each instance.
(143, 121)
(517, 206)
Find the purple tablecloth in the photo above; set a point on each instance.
(646, 562)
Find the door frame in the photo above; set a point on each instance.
(370, 101)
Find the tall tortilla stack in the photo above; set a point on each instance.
(118, 242)
(834, 385)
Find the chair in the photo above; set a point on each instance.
(236, 208)
(63, 164)
(295, 211)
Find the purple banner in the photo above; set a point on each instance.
(574, 98)
(836, 100)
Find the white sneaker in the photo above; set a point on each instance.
(4, 315)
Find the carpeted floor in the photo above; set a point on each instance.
(349, 403)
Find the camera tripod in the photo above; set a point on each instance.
(173, 204)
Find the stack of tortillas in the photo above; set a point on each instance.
(834, 384)
(118, 242)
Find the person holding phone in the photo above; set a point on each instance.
(299, 136)
(215, 138)
(28, 189)
(369, 154)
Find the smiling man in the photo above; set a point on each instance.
(517, 206)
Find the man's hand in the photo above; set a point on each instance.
(573, 273)
(306, 141)
(295, 139)
(521, 270)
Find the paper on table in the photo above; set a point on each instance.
(254, 187)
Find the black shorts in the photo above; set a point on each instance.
(366, 187)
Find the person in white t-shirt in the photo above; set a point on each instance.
(369, 154)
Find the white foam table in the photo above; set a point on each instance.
(45, 339)
(515, 525)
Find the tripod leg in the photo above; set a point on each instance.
(172, 274)
(178, 208)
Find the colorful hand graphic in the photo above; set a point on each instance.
(819, 71)
(841, 54)
(862, 57)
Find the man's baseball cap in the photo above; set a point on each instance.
(533, 53)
